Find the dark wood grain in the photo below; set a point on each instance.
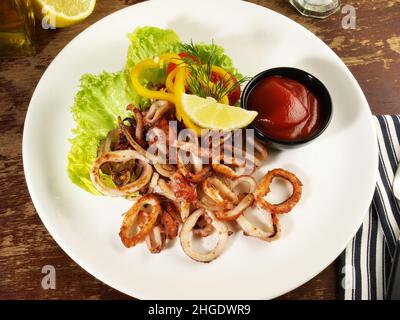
(371, 51)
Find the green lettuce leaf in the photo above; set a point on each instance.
(99, 102)
(150, 42)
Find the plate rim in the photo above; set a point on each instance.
(141, 295)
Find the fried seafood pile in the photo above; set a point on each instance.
(191, 196)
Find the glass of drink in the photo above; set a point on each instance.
(316, 8)
(16, 27)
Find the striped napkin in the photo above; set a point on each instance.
(366, 262)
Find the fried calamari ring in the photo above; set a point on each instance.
(166, 190)
(121, 156)
(186, 243)
(193, 170)
(235, 212)
(261, 151)
(153, 182)
(271, 232)
(157, 110)
(155, 240)
(239, 186)
(170, 225)
(166, 170)
(219, 192)
(135, 145)
(184, 210)
(195, 177)
(172, 208)
(236, 163)
(128, 238)
(142, 179)
(183, 189)
(226, 169)
(207, 203)
(263, 189)
(105, 146)
(136, 123)
(203, 227)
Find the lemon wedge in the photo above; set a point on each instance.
(63, 13)
(208, 113)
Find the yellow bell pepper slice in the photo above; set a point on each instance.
(179, 90)
(167, 58)
(143, 91)
(169, 83)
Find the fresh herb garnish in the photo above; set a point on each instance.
(202, 81)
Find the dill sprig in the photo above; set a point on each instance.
(199, 64)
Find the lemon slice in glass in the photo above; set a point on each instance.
(208, 113)
(63, 13)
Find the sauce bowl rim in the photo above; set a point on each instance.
(282, 71)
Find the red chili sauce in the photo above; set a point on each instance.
(287, 110)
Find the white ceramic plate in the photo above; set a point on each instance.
(338, 170)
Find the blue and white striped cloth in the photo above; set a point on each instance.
(366, 262)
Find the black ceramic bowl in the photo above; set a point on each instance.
(312, 84)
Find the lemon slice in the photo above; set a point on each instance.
(63, 13)
(208, 113)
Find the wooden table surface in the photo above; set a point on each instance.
(371, 51)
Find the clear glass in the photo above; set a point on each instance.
(316, 8)
(16, 27)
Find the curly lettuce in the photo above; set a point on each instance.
(149, 42)
(100, 100)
